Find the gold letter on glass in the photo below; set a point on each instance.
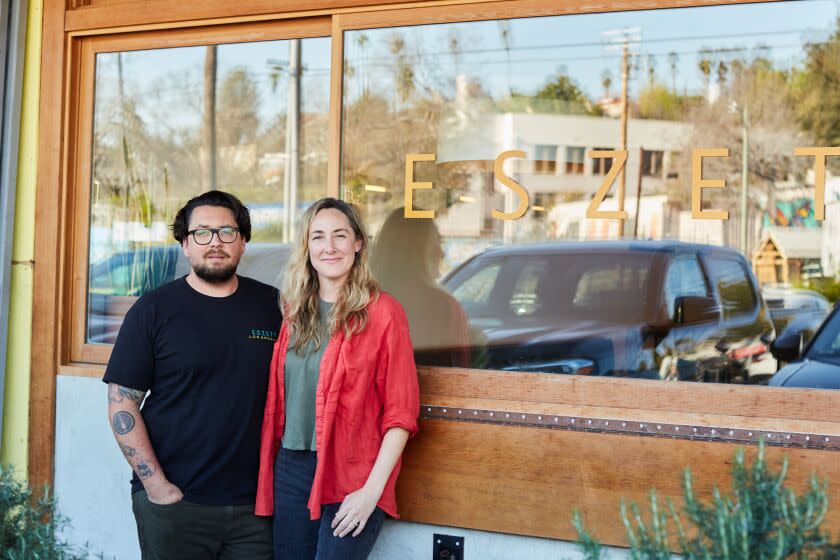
(619, 159)
(820, 154)
(411, 185)
(698, 183)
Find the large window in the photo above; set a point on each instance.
(455, 117)
(601, 166)
(652, 163)
(575, 157)
(545, 159)
(492, 126)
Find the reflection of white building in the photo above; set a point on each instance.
(831, 228)
(556, 166)
(568, 219)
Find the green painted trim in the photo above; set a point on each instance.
(16, 407)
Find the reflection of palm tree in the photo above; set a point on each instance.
(404, 73)
(722, 69)
(673, 60)
(651, 68)
(705, 66)
(606, 81)
(455, 51)
(504, 31)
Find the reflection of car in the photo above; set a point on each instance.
(666, 310)
(116, 282)
(811, 271)
(800, 310)
(818, 366)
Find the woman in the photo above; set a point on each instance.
(342, 399)
(439, 327)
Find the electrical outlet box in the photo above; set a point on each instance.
(447, 547)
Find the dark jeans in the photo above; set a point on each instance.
(296, 537)
(197, 532)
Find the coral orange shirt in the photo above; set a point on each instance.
(366, 386)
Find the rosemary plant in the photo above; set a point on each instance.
(759, 519)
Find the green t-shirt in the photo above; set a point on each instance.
(301, 381)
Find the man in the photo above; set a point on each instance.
(201, 347)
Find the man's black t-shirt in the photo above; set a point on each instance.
(205, 361)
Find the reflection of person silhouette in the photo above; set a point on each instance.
(406, 261)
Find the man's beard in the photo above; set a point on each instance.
(215, 275)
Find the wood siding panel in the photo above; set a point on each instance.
(528, 481)
(707, 398)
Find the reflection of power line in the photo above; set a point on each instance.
(588, 58)
(191, 89)
(646, 41)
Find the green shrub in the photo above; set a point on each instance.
(829, 287)
(30, 525)
(760, 518)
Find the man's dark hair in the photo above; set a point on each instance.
(212, 198)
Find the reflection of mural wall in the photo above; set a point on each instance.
(798, 212)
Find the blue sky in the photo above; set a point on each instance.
(542, 46)
(539, 47)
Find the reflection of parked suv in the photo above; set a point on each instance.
(663, 310)
(116, 282)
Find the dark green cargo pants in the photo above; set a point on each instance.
(187, 531)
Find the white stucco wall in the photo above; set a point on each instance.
(91, 476)
(91, 484)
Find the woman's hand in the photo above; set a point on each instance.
(358, 505)
(354, 512)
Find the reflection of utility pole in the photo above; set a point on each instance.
(622, 178)
(210, 66)
(745, 130)
(290, 185)
(121, 93)
(624, 39)
(639, 193)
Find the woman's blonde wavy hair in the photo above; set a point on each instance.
(299, 296)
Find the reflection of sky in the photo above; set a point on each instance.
(169, 83)
(541, 46)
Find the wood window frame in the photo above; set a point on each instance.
(74, 31)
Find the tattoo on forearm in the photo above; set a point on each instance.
(117, 394)
(133, 394)
(127, 450)
(144, 470)
(123, 422)
(114, 393)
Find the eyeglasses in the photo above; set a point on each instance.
(203, 236)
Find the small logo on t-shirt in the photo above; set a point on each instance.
(262, 334)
